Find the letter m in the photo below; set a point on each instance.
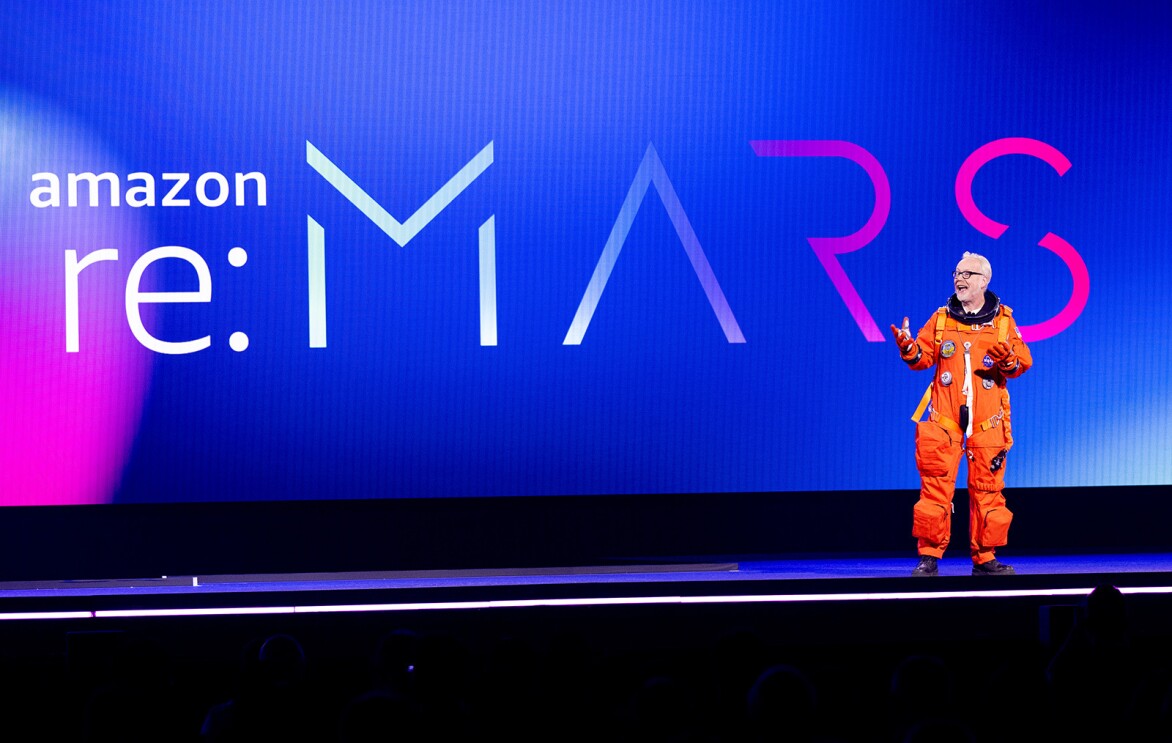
(401, 233)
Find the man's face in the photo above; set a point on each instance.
(971, 289)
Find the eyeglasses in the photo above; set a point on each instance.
(965, 274)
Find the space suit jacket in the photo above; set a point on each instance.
(949, 338)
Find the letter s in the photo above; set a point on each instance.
(1064, 250)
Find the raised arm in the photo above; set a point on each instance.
(916, 352)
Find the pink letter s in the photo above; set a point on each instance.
(1064, 250)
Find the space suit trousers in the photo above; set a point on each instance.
(938, 453)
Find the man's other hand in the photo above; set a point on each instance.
(1002, 353)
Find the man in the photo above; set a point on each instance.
(975, 346)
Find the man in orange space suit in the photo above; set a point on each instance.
(975, 346)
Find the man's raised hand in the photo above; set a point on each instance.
(903, 338)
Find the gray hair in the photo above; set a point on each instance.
(985, 265)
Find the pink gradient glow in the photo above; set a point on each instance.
(69, 419)
(986, 226)
(828, 248)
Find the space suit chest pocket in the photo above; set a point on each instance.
(933, 448)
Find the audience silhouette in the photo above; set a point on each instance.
(1094, 673)
(275, 700)
(782, 706)
(1098, 681)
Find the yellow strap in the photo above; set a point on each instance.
(923, 405)
(941, 316)
(1003, 324)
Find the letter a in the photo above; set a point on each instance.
(651, 172)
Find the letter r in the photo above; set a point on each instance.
(827, 249)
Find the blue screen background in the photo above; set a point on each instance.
(405, 402)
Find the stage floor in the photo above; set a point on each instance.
(825, 610)
(691, 582)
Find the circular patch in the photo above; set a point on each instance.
(948, 349)
(987, 383)
(946, 378)
(987, 361)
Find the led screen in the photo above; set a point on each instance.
(270, 251)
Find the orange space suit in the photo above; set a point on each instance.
(974, 355)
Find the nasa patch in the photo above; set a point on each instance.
(948, 349)
(987, 361)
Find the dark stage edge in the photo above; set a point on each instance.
(831, 607)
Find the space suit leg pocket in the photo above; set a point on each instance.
(934, 445)
(930, 521)
(994, 531)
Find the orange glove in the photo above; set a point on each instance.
(904, 339)
(1003, 355)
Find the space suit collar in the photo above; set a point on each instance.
(984, 315)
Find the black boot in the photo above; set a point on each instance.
(927, 566)
(993, 567)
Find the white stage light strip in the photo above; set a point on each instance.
(891, 596)
(503, 604)
(1147, 590)
(572, 602)
(46, 615)
(213, 612)
(744, 599)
